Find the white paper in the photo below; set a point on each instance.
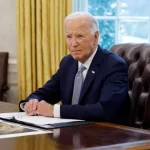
(38, 120)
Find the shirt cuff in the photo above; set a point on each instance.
(22, 105)
(56, 111)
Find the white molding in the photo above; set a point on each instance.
(12, 65)
(12, 72)
(12, 78)
(12, 61)
(12, 68)
(12, 83)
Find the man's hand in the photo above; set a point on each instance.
(31, 106)
(45, 109)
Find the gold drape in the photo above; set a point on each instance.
(41, 42)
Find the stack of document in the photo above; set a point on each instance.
(40, 121)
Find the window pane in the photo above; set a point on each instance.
(133, 31)
(102, 7)
(107, 33)
(134, 8)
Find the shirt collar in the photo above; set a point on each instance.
(87, 63)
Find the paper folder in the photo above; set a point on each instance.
(41, 121)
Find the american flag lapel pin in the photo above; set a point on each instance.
(93, 71)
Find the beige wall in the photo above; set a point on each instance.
(8, 43)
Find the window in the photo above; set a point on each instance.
(120, 21)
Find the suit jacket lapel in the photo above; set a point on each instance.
(97, 60)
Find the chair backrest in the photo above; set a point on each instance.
(3, 73)
(137, 57)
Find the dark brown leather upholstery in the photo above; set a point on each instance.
(137, 57)
(3, 75)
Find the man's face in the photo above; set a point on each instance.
(81, 42)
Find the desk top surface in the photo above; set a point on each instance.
(95, 136)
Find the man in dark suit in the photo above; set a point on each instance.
(98, 92)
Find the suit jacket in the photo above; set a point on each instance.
(104, 96)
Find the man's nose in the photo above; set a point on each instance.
(74, 42)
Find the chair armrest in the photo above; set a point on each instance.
(5, 88)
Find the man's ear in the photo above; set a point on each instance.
(96, 37)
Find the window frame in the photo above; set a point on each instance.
(79, 5)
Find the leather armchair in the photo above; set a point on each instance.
(137, 57)
(3, 75)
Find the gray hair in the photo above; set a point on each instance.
(93, 22)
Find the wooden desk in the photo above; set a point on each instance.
(96, 137)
